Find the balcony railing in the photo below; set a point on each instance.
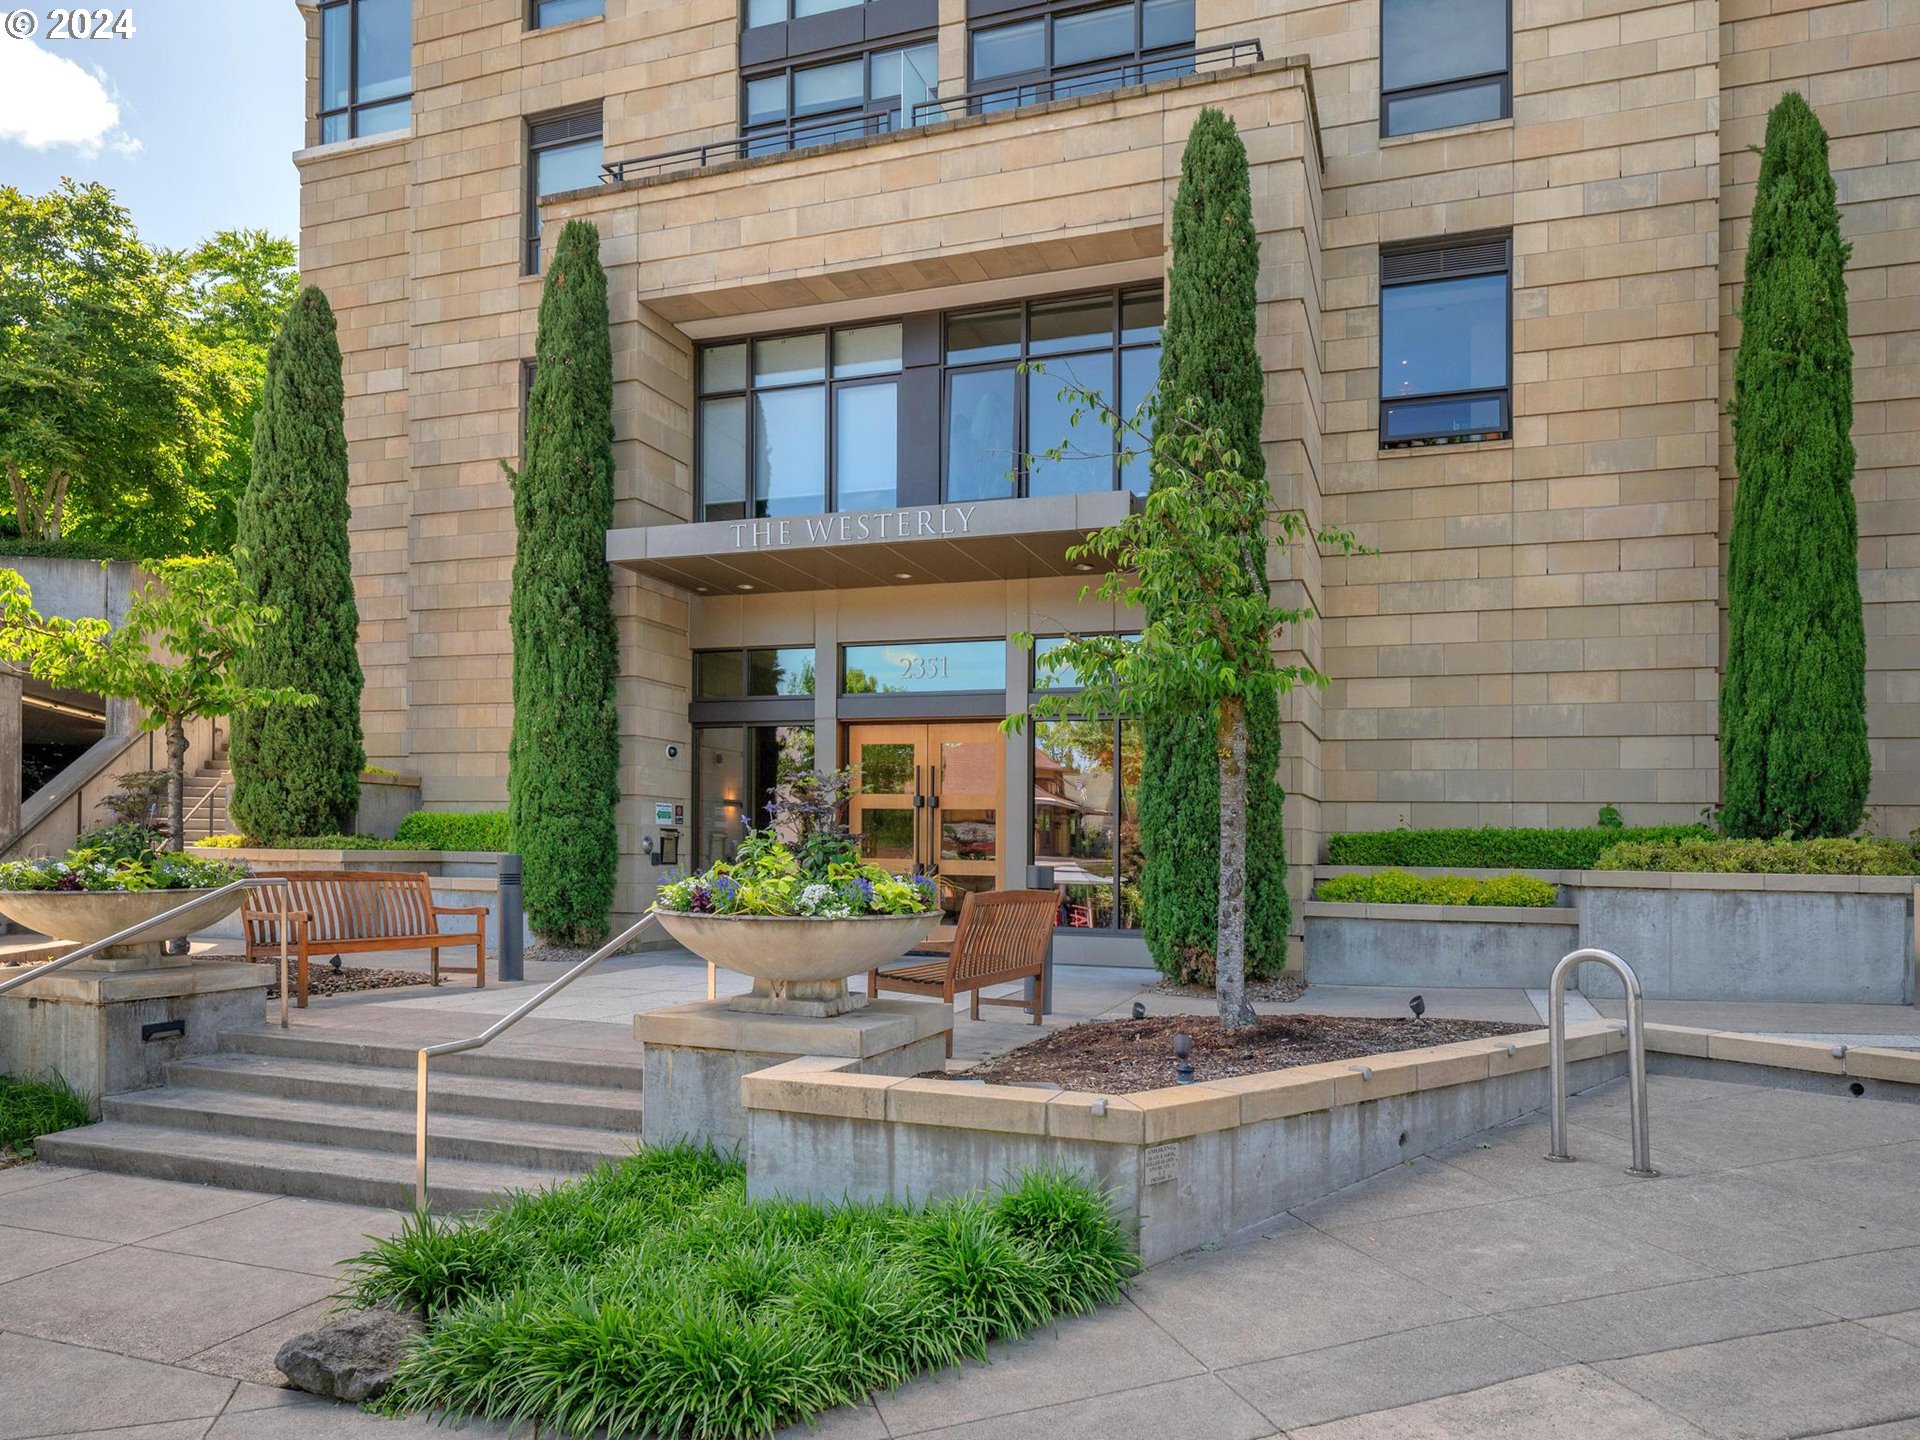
(1089, 79)
(761, 140)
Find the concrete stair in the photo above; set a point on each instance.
(330, 1117)
(205, 799)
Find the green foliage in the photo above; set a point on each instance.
(127, 374)
(563, 759)
(32, 1108)
(1209, 352)
(219, 842)
(453, 830)
(1495, 849)
(1397, 887)
(1793, 708)
(101, 870)
(765, 877)
(335, 842)
(1610, 819)
(122, 840)
(1831, 856)
(653, 1298)
(13, 547)
(296, 771)
(174, 653)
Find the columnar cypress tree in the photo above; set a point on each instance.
(563, 763)
(1793, 710)
(1208, 350)
(297, 771)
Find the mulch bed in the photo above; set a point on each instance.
(1284, 989)
(323, 979)
(1118, 1057)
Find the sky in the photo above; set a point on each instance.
(192, 121)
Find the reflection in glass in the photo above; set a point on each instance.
(1139, 373)
(383, 49)
(969, 834)
(718, 676)
(1085, 461)
(829, 87)
(1438, 109)
(1427, 41)
(384, 119)
(790, 450)
(567, 167)
(925, 667)
(1009, 50)
(780, 672)
(765, 12)
(766, 99)
(1085, 820)
(736, 771)
(1057, 326)
(886, 768)
(1165, 23)
(790, 359)
(723, 458)
(983, 335)
(869, 350)
(1142, 312)
(723, 367)
(1443, 335)
(866, 451)
(980, 440)
(336, 70)
(559, 12)
(886, 835)
(1092, 35)
(1418, 419)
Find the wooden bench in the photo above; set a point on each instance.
(1002, 936)
(358, 912)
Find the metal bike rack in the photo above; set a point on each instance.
(1636, 1055)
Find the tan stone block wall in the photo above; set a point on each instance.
(1858, 64)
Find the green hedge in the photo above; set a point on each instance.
(1766, 857)
(1396, 887)
(446, 830)
(13, 547)
(1496, 849)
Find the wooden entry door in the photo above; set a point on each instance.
(929, 801)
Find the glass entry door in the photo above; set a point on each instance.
(929, 801)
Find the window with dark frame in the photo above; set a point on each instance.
(1446, 341)
(545, 14)
(803, 423)
(1022, 53)
(1443, 63)
(1086, 811)
(758, 674)
(773, 12)
(791, 107)
(564, 152)
(366, 68)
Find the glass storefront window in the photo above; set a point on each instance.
(752, 674)
(924, 667)
(1086, 819)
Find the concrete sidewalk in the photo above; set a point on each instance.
(1766, 1285)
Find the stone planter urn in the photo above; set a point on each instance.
(799, 963)
(83, 916)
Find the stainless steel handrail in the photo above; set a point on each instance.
(1636, 1055)
(134, 932)
(492, 1033)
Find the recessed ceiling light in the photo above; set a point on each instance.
(1083, 566)
(703, 589)
(743, 586)
(903, 574)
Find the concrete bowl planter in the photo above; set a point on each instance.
(84, 916)
(799, 963)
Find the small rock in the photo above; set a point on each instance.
(350, 1358)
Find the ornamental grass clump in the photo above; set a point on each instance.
(652, 1297)
(32, 1108)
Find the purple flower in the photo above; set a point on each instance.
(700, 902)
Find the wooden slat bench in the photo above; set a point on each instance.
(1002, 936)
(357, 912)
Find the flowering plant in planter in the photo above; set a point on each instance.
(765, 877)
(98, 870)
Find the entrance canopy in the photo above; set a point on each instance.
(916, 545)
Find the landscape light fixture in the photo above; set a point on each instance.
(1418, 1005)
(1182, 1049)
(1139, 1010)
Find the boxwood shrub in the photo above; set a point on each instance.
(446, 830)
(1497, 849)
(1396, 887)
(1765, 857)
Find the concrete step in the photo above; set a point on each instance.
(524, 1145)
(318, 1172)
(349, 1086)
(612, 1070)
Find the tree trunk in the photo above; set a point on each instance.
(1230, 945)
(177, 781)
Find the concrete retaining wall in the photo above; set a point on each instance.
(1769, 938)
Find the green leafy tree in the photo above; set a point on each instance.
(1205, 652)
(297, 771)
(563, 761)
(1793, 711)
(1209, 353)
(173, 655)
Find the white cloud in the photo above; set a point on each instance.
(48, 102)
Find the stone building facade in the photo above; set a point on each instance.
(1535, 234)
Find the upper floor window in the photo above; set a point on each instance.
(753, 674)
(1002, 424)
(773, 12)
(815, 104)
(366, 68)
(1444, 62)
(797, 424)
(1444, 342)
(547, 13)
(1031, 49)
(564, 152)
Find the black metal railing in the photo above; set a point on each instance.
(761, 140)
(1090, 79)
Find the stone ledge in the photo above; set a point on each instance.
(79, 986)
(861, 1034)
(1865, 1062)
